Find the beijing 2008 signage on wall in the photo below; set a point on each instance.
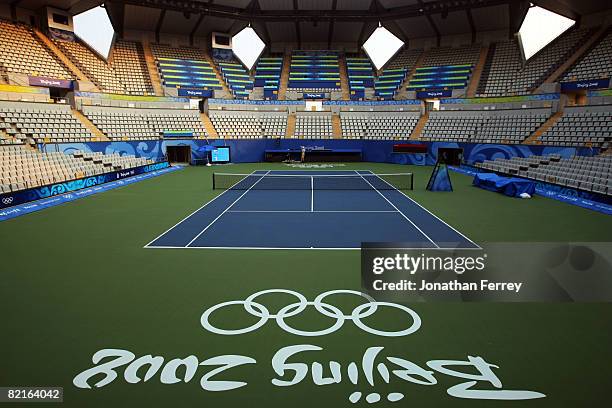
(472, 377)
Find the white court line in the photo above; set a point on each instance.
(184, 219)
(311, 194)
(434, 215)
(227, 209)
(305, 211)
(398, 210)
(301, 248)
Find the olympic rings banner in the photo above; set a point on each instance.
(472, 378)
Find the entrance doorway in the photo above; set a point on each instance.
(179, 154)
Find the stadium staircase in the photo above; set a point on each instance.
(62, 57)
(336, 127)
(284, 79)
(344, 82)
(152, 68)
(99, 136)
(290, 132)
(208, 125)
(227, 94)
(402, 92)
(535, 136)
(477, 73)
(416, 132)
(575, 57)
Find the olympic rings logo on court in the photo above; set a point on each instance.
(7, 200)
(360, 312)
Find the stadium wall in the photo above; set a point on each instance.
(379, 151)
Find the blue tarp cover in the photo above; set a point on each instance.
(510, 186)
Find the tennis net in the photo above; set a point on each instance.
(263, 181)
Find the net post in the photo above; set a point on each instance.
(213, 180)
(411, 181)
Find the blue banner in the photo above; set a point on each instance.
(601, 83)
(38, 193)
(445, 93)
(314, 96)
(200, 93)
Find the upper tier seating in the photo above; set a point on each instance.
(313, 126)
(249, 124)
(314, 70)
(22, 53)
(584, 173)
(237, 78)
(503, 62)
(92, 65)
(378, 125)
(389, 82)
(143, 124)
(22, 168)
(597, 63)
(43, 123)
(184, 67)
(581, 125)
(442, 77)
(406, 59)
(541, 65)
(268, 74)
(500, 126)
(360, 76)
(466, 55)
(130, 66)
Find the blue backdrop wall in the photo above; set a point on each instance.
(245, 151)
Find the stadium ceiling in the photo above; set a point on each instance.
(320, 21)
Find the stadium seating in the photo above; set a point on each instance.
(237, 78)
(502, 126)
(249, 124)
(360, 75)
(314, 71)
(143, 124)
(585, 173)
(313, 126)
(466, 55)
(22, 167)
(130, 66)
(378, 125)
(406, 58)
(268, 75)
(581, 126)
(41, 123)
(185, 67)
(440, 77)
(541, 65)
(92, 65)
(597, 63)
(33, 59)
(503, 63)
(389, 82)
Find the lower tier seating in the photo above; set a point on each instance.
(249, 124)
(313, 126)
(379, 125)
(143, 124)
(581, 126)
(585, 173)
(22, 167)
(41, 123)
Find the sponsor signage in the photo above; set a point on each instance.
(444, 93)
(196, 93)
(311, 95)
(38, 193)
(589, 84)
(50, 82)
